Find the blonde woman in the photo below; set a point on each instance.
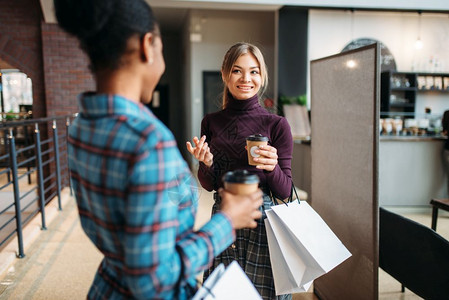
(221, 148)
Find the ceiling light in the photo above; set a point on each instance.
(419, 43)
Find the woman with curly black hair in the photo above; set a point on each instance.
(135, 194)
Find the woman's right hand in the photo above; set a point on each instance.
(201, 151)
(242, 210)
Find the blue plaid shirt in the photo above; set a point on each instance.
(137, 202)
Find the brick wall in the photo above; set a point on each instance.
(51, 58)
(66, 75)
(20, 44)
(66, 70)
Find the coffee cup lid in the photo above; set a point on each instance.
(240, 176)
(257, 137)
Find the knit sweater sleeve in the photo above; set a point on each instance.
(206, 175)
(280, 179)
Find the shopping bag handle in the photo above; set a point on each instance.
(192, 290)
(289, 199)
(296, 194)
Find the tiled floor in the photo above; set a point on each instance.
(61, 263)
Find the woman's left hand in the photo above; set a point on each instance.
(268, 158)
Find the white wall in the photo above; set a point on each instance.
(438, 102)
(331, 31)
(269, 4)
(398, 31)
(219, 30)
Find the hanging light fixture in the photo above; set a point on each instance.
(418, 43)
(352, 24)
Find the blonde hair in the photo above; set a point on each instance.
(229, 60)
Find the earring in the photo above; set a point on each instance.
(150, 61)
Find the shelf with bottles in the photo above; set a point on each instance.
(402, 98)
(398, 91)
(432, 82)
(401, 80)
(401, 105)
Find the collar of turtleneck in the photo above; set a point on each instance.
(241, 105)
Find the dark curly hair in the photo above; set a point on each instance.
(103, 27)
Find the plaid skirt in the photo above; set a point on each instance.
(250, 250)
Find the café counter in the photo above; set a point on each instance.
(411, 170)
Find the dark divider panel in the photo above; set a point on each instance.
(292, 57)
(345, 113)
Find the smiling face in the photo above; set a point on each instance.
(245, 79)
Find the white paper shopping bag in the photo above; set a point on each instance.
(306, 243)
(286, 281)
(227, 284)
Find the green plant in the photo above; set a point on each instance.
(10, 116)
(299, 100)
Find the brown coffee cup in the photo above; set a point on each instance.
(240, 182)
(252, 143)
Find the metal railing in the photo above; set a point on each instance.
(35, 149)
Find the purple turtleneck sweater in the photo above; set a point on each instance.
(226, 133)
